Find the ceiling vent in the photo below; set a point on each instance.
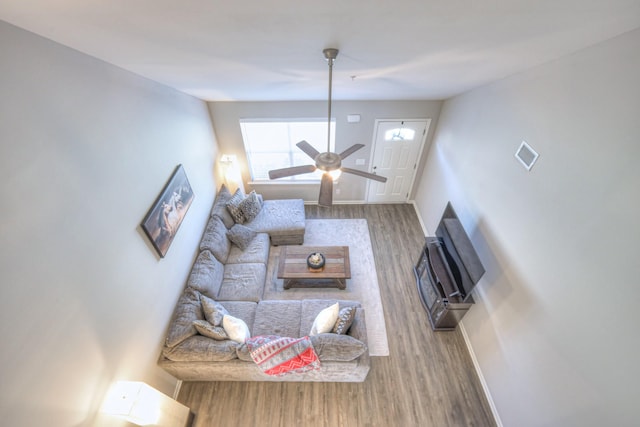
(526, 155)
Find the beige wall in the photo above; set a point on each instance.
(226, 117)
(555, 326)
(85, 148)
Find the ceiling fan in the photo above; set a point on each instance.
(329, 162)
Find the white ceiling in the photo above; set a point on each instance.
(257, 50)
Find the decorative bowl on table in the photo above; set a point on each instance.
(315, 260)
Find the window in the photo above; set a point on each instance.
(399, 134)
(271, 144)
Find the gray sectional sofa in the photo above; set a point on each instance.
(282, 220)
(343, 358)
(234, 276)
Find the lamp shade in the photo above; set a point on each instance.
(231, 172)
(140, 404)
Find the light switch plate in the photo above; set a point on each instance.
(360, 162)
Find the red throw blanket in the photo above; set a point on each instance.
(282, 355)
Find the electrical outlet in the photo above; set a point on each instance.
(337, 191)
(360, 162)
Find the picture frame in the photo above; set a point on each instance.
(162, 221)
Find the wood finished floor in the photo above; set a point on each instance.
(428, 379)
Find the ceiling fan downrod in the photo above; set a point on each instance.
(330, 54)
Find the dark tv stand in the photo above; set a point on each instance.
(446, 272)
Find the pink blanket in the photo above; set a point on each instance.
(282, 355)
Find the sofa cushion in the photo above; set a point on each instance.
(280, 217)
(206, 329)
(241, 236)
(233, 206)
(236, 328)
(187, 310)
(278, 318)
(244, 353)
(250, 206)
(345, 319)
(245, 310)
(242, 282)
(325, 320)
(257, 251)
(213, 311)
(220, 207)
(202, 349)
(338, 348)
(215, 239)
(206, 274)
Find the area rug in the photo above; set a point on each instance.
(363, 285)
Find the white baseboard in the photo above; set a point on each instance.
(415, 207)
(338, 202)
(176, 391)
(476, 365)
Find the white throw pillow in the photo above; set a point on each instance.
(237, 330)
(325, 320)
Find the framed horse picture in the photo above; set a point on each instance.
(166, 214)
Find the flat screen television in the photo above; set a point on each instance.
(461, 269)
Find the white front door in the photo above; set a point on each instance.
(397, 148)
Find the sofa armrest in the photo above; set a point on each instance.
(358, 328)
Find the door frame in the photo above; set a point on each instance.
(420, 151)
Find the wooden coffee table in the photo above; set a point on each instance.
(296, 274)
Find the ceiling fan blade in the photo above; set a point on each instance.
(326, 191)
(365, 174)
(308, 148)
(351, 150)
(294, 170)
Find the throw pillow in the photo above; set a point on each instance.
(233, 206)
(242, 236)
(237, 330)
(250, 206)
(345, 320)
(213, 310)
(325, 320)
(208, 330)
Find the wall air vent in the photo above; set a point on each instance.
(526, 155)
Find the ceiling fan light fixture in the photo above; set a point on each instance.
(335, 174)
(328, 161)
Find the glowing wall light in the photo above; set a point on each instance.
(231, 172)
